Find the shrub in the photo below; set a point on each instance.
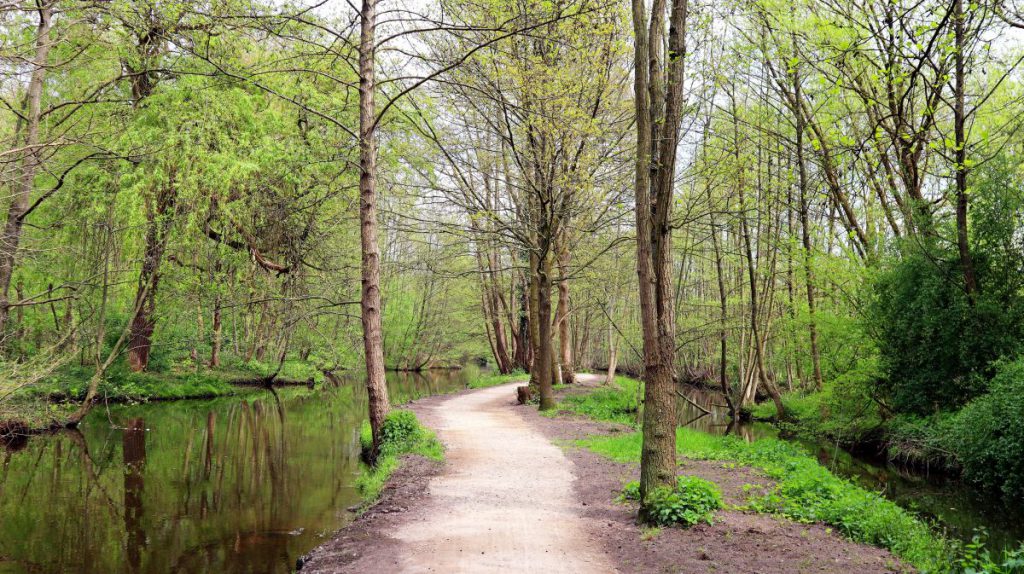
(401, 434)
(987, 436)
(630, 491)
(693, 500)
(920, 315)
(977, 559)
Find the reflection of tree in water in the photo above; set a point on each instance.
(133, 449)
(225, 485)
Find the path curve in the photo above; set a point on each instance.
(505, 501)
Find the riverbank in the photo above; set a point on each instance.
(740, 540)
(47, 403)
(978, 440)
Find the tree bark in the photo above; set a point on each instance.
(370, 305)
(159, 218)
(215, 336)
(723, 316)
(805, 230)
(522, 357)
(544, 364)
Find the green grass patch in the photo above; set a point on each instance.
(617, 402)
(495, 380)
(798, 406)
(401, 434)
(806, 492)
(122, 385)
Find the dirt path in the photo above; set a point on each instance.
(504, 502)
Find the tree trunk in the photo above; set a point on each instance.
(805, 230)
(544, 363)
(158, 223)
(613, 355)
(376, 386)
(522, 358)
(568, 374)
(723, 317)
(658, 114)
(534, 322)
(215, 335)
(20, 203)
(960, 155)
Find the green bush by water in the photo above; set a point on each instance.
(987, 437)
(401, 434)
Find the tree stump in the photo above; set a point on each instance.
(523, 394)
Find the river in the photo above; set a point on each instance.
(230, 485)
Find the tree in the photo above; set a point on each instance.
(658, 93)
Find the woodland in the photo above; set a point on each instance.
(814, 208)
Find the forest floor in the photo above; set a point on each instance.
(509, 499)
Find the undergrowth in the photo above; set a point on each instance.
(401, 434)
(616, 403)
(693, 500)
(807, 492)
(804, 491)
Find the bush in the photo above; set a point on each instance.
(693, 500)
(630, 491)
(401, 434)
(977, 559)
(987, 437)
(920, 315)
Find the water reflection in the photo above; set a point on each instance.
(232, 485)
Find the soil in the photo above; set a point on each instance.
(507, 500)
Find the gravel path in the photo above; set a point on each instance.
(504, 502)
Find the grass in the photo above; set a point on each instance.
(495, 380)
(805, 492)
(401, 434)
(616, 403)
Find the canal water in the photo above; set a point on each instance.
(230, 485)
